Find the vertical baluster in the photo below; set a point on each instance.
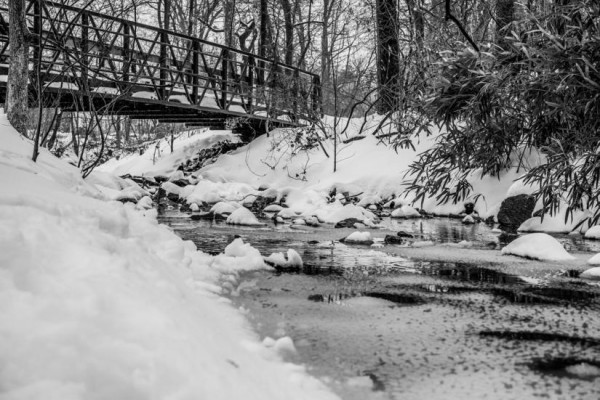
(164, 60)
(250, 81)
(37, 50)
(224, 78)
(195, 70)
(85, 23)
(126, 57)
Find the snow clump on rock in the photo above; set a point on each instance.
(243, 216)
(539, 246)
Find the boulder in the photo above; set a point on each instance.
(515, 210)
(391, 239)
(403, 234)
(173, 197)
(469, 208)
(348, 223)
(181, 182)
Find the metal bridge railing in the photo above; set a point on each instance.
(87, 51)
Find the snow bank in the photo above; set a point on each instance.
(367, 169)
(539, 246)
(99, 301)
(158, 159)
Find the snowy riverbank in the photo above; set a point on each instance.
(99, 301)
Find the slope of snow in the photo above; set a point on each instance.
(158, 159)
(98, 301)
(367, 171)
(539, 246)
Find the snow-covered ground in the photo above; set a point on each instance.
(99, 301)
(367, 169)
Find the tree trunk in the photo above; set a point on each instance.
(325, 55)
(289, 31)
(192, 18)
(388, 64)
(17, 89)
(228, 11)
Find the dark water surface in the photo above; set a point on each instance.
(377, 326)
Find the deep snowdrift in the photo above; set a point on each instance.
(99, 301)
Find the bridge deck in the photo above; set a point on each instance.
(91, 61)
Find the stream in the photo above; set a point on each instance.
(375, 325)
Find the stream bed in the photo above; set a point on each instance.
(375, 325)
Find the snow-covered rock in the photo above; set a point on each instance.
(359, 237)
(593, 232)
(177, 175)
(273, 208)
(336, 212)
(224, 208)
(287, 213)
(595, 260)
(539, 246)
(276, 259)
(369, 200)
(239, 256)
(293, 259)
(592, 273)
(243, 216)
(284, 345)
(468, 220)
(194, 207)
(405, 212)
(145, 203)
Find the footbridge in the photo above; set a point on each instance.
(81, 60)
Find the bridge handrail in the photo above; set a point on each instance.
(112, 53)
(178, 34)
